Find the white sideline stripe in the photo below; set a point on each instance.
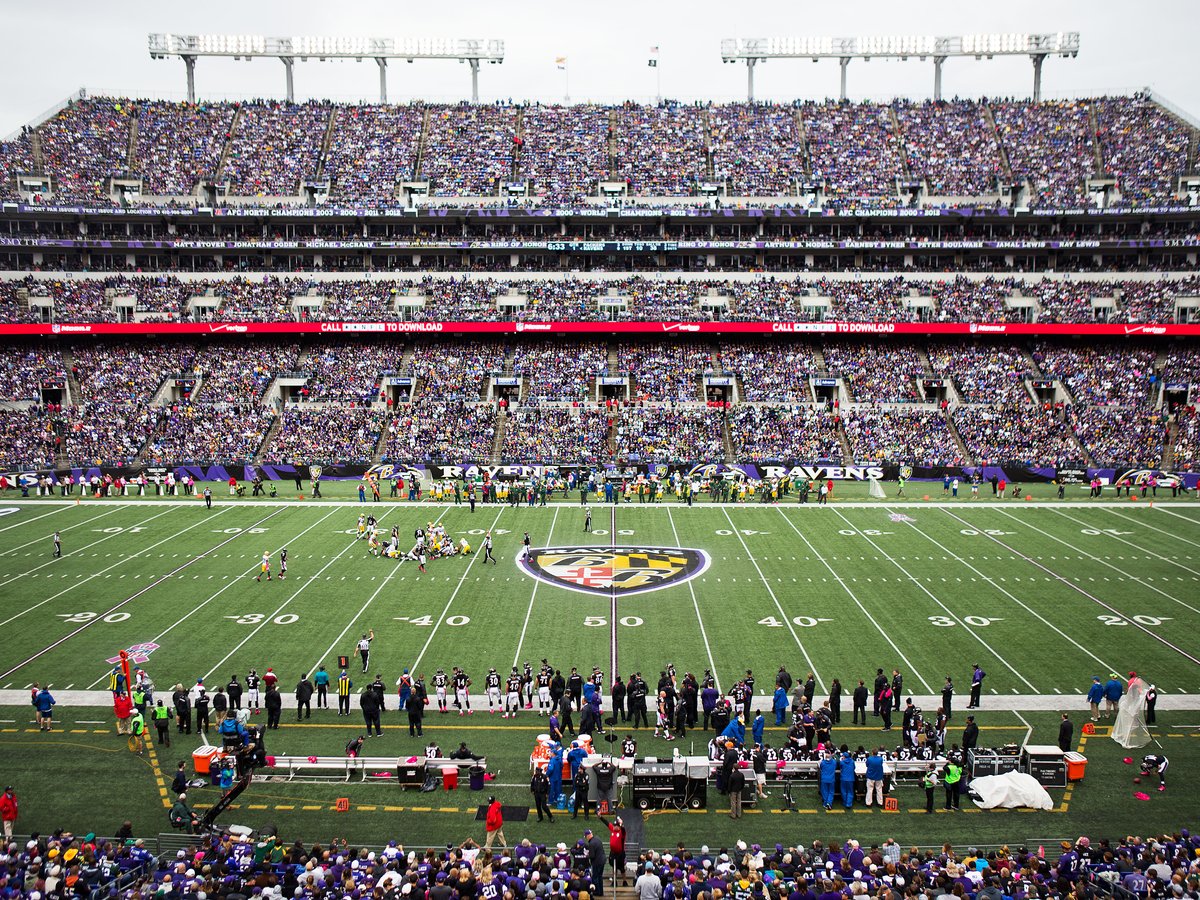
(533, 595)
(457, 588)
(97, 574)
(1162, 507)
(26, 522)
(1079, 590)
(137, 594)
(19, 575)
(1040, 503)
(928, 593)
(838, 578)
(1028, 727)
(227, 586)
(39, 540)
(787, 620)
(370, 600)
(1170, 534)
(988, 579)
(267, 619)
(696, 606)
(1109, 565)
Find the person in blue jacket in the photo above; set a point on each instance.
(847, 777)
(780, 704)
(735, 731)
(575, 757)
(875, 777)
(1095, 696)
(554, 771)
(44, 703)
(827, 768)
(757, 728)
(1112, 694)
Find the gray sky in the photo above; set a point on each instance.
(57, 46)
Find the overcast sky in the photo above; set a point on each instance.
(57, 46)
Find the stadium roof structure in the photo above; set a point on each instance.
(981, 46)
(189, 47)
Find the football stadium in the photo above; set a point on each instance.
(712, 492)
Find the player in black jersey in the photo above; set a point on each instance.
(439, 687)
(491, 686)
(283, 563)
(252, 685)
(462, 699)
(527, 684)
(543, 690)
(628, 747)
(512, 700)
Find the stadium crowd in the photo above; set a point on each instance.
(766, 431)
(1018, 431)
(224, 864)
(556, 434)
(330, 434)
(913, 436)
(269, 148)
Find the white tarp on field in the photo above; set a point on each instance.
(1010, 790)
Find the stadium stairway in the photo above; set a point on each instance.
(1168, 457)
(1005, 165)
(276, 424)
(74, 392)
(958, 441)
(498, 442)
(228, 146)
(1094, 128)
(421, 143)
(612, 141)
(131, 150)
(898, 137)
(326, 141)
(802, 134)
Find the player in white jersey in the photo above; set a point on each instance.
(543, 691)
(265, 567)
(362, 527)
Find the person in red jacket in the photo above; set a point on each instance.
(616, 847)
(122, 709)
(494, 824)
(8, 811)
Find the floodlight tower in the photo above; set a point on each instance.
(1037, 46)
(189, 47)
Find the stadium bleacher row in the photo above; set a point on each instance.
(871, 298)
(962, 151)
(938, 403)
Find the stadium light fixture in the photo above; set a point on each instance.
(189, 47)
(1037, 46)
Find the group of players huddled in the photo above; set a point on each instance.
(432, 541)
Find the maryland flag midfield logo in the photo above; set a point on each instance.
(621, 570)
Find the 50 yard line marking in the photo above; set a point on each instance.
(838, 578)
(696, 606)
(612, 599)
(533, 595)
(438, 624)
(787, 620)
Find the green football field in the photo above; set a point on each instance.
(1043, 594)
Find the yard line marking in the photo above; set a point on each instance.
(457, 588)
(1135, 546)
(139, 593)
(696, 606)
(39, 540)
(97, 574)
(533, 595)
(296, 593)
(34, 519)
(1009, 594)
(612, 599)
(928, 593)
(370, 600)
(1109, 565)
(854, 597)
(787, 620)
(195, 609)
(1171, 534)
(1077, 589)
(50, 562)
(1188, 519)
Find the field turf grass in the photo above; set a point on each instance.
(1042, 594)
